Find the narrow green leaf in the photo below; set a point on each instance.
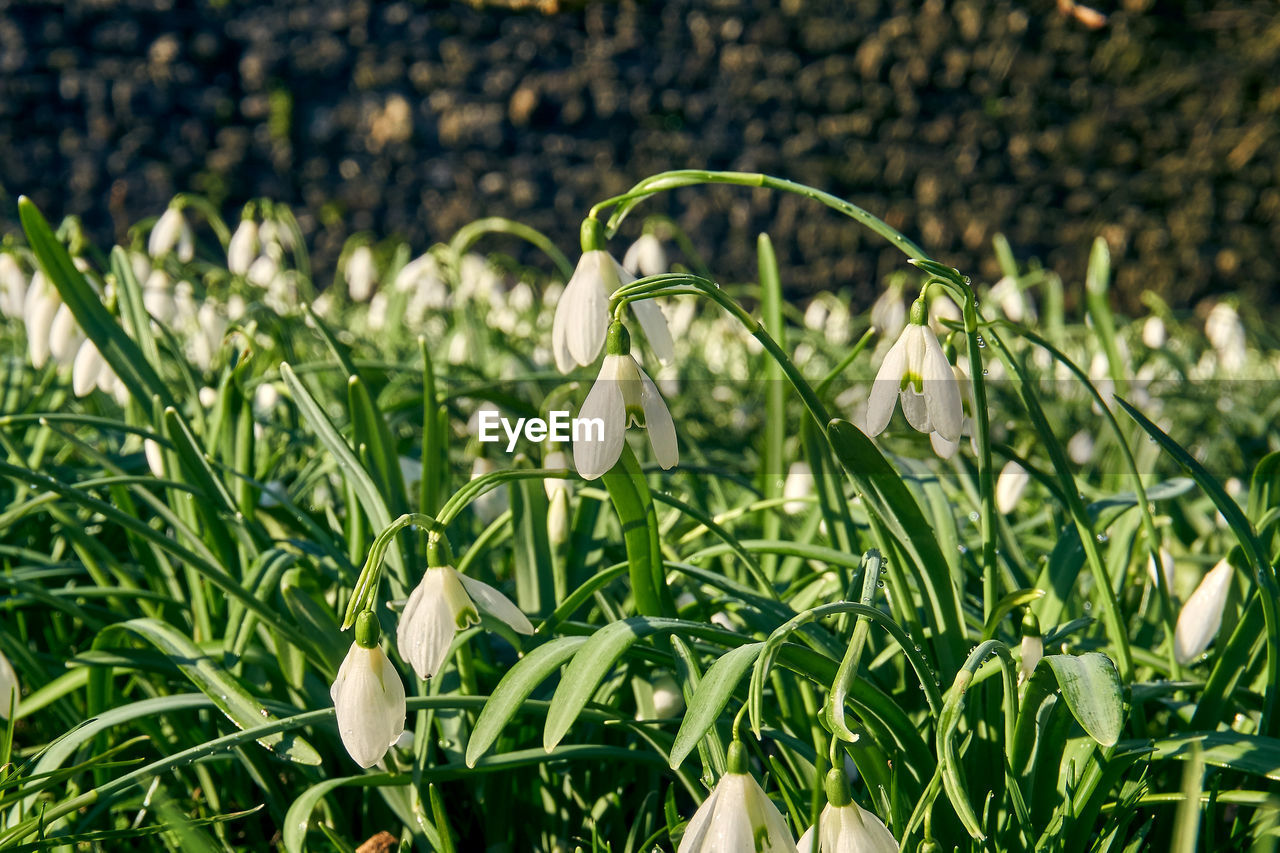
(709, 700)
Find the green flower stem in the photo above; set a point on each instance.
(366, 586)
(694, 177)
(470, 233)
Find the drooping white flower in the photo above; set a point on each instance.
(1014, 302)
(889, 313)
(646, 257)
(171, 233)
(797, 487)
(582, 314)
(154, 455)
(38, 311)
(848, 829)
(443, 603)
(9, 689)
(492, 503)
(1153, 332)
(1226, 334)
(13, 286)
(668, 700)
(86, 369)
(916, 371)
(361, 274)
(1080, 447)
(368, 698)
(1011, 482)
(65, 336)
(158, 296)
(263, 272)
(243, 247)
(737, 817)
(1201, 616)
(943, 307)
(622, 396)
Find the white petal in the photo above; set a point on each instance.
(916, 409)
(1011, 482)
(42, 306)
(646, 256)
(658, 423)
(945, 449)
(582, 314)
(164, 234)
(430, 620)
(941, 392)
(243, 247)
(593, 457)
(884, 390)
(65, 336)
(85, 370)
(764, 815)
(797, 487)
(496, 604)
(154, 454)
(368, 698)
(1201, 616)
(696, 832)
(9, 690)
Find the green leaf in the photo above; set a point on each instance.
(1090, 685)
(516, 686)
(226, 692)
(709, 700)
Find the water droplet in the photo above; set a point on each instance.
(984, 371)
(973, 516)
(918, 648)
(962, 549)
(880, 584)
(1101, 537)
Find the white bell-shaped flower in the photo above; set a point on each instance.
(243, 247)
(737, 817)
(889, 313)
(9, 690)
(942, 446)
(1166, 568)
(368, 697)
(1080, 447)
(444, 602)
(38, 311)
(1226, 334)
(844, 826)
(1153, 332)
(1201, 616)
(646, 257)
(797, 487)
(65, 336)
(1011, 482)
(158, 296)
(13, 286)
(1014, 302)
(171, 233)
(86, 369)
(361, 274)
(916, 371)
(582, 314)
(623, 395)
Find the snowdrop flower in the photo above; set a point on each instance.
(668, 700)
(1080, 447)
(645, 257)
(1226, 334)
(243, 247)
(1011, 482)
(1014, 302)
(443, 603)
(1201, 616)
(158, 297)
(207, 340)
(1166, 568)
(476, 279)
(9, 690)
(916, 371)
(208, 396)
(171, 233)
(263, 271)
(943, 307)
(361, 274)
(888, 313)
(154, 455)
(622, 396)
(65, 336)
(368, 697)
(845, 826)
(1032, 646)
(815, 316)
(558, 492)
(1153, 332)
(38, 311)
(492, 503)
(737, 816)
(797, 487)
(86, 369)
(13, 286)
(582, 314)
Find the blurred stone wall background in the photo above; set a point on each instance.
(1160, 130)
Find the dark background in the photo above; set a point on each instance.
(1159, 131)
